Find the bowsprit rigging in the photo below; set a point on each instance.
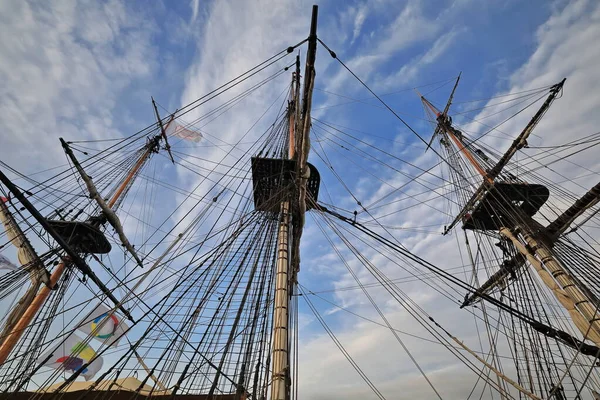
(138, 287)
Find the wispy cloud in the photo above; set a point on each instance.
(411, 69)
(65, 73)
(195, 5)
(360, 14)
(376, 58)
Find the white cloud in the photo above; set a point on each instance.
(63, 68)
(359, 20)
(195, 4)
(236, 37)
(408, 27)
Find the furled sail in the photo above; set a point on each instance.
(27, 258)
(25, 251)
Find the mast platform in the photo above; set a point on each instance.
(497, 207)
(272, 178)
(81, 236)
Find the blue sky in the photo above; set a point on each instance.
(88, 69)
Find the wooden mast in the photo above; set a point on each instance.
(445, 125)
(280, 357)
(518, 143)
(584, 314)
(12, 338)
(298, 150)
(535, 242)
(17, 331)
(108, 212)
(279, 381)
(150, 148)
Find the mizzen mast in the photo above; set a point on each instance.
(71, 258)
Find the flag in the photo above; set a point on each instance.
(104, 325)
(71, 355)
(6, 264)
(174, 129)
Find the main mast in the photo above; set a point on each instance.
(291, 221)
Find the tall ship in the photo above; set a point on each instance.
(117, 283)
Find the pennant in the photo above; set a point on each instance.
(72, 355)
(104, 325)
(174, 129)
(6, 264)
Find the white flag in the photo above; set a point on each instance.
(174, 129)
(6, 264)
(71, 355)
(103, 325)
